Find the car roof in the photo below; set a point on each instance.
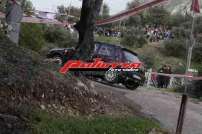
(104, 43)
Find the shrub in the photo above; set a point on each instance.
(175, 47)
(32, 36)
(196, 89)
(133, 38)
(148, 61)
(157, 15)
(197, 55)
(60, 36)
(180, 32)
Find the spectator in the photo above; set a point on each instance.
(160, 78)
(167, 78)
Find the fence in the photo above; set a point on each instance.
(176, 80)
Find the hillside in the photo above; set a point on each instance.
(153, 53)
(28, 85)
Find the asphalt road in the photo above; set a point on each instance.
(164, 107)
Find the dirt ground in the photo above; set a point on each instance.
(163, 106)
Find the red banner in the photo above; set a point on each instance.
(130, 12)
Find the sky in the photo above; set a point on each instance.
(51, 5)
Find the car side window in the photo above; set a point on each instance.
(118, 55)
(130, 57)
(106, 50)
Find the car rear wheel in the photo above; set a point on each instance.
(130, 84)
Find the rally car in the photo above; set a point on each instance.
(108, 53)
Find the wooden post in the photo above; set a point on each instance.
(182, 114)
(171, 82)
(185, 96)
(149, 77)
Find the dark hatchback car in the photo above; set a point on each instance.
(108, 53)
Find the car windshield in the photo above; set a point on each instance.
(130, 57)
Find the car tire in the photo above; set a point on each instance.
(111, 76)
(129, 84)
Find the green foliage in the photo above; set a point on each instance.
(111, 40)
(180, 32)
(28, 7)
(97, 125)
(134, 21)
(2, 33)
(133, 3)
(156, 15)
(152, 16)
(196, 86)
(32, 36)
(60, 37)
(197, 55)
(133, 38)
(175, 47)
(178, 20)
(105, 11)
(2, 5)
(148, 60)
(63, 12)
(196, 89)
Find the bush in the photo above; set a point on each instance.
(32, 36)
(156, 15)
(148, 60)
(197, 55)
(180, 32)
(196, 89)
(134, 38)
(60, 37)
(175, 47)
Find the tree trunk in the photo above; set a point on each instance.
(86, 25)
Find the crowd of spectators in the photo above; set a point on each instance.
(108, 32)
(152, 33)
(157, 33)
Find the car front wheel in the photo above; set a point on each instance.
(111, 76)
